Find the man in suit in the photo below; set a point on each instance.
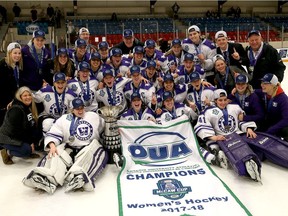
(233, 53)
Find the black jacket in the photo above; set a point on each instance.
(125, 49)
(269, 61)
(8, 85)
(18, 126)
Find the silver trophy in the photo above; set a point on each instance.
(112, 139)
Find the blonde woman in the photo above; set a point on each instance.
(10, 70)
(18, 132)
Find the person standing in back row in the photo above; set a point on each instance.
(129, 42)
(263, 59)
(233, 53)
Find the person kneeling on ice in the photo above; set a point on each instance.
(217, 125)
(75, 155)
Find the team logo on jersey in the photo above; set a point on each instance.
(230, 127)
(47, 98)
(102, 93)
(215, 112)
(119, 97)
(74, 87)
(84, 130)
(54, 110)
(168, 117)
(91, 95)
(171, 189)
(274, 104)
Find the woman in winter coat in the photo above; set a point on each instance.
(18, 132)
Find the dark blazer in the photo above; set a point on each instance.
(243, 56)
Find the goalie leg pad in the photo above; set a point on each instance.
(89, 163)
(50, 172)
(273, 148)
(238, 152)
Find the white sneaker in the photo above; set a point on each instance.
(76, 183)
(252, 169)
(223, 161)
(40, 182)
(118, 160)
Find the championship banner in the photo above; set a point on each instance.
(164, 174)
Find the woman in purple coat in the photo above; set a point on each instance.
(275, 103)
(245, 97)
(35, 57)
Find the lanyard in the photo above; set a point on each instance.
(86, 93)
(197, 97)
(173, 113)
(73, 125)
(35, 55)
(137, 116)
(253, 59)
(112, 96)
(226, 79)
(58, 105)
(198, 48)
(268, 104)
(16, 75)
(226, 57)
(241, 100)
(225, 115)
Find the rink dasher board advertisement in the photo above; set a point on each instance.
(164, 174)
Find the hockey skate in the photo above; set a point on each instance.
(220, 159)
(76, 183)
(252, 170)
(39, 182)
(118, 160)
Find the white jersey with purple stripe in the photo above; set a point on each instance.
(179, 110)
(160, 57)
(183, 74)
(179, 94)
(122, 69)
(132, 62)
(198, 97)
(213, 122)
(114, 96)
(172, 59)
(84, 130)
(130, 114)
(146, 91)
(76, 61)
(50, 99)
(82, 91)
(206, 47)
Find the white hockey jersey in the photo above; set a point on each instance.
(179, 110)
(213, 122)
(114, 96)
(75, 131)
(86, 91)
(55, 105)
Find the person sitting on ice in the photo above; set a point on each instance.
(75, 156)
(217, 122)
